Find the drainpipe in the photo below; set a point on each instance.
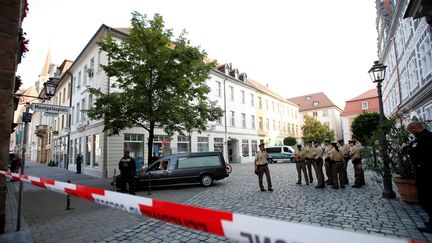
(69, 120)
(225, 118)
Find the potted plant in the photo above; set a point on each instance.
(400, 163)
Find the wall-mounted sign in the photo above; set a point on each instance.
(51, 108)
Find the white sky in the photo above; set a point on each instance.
(297, 47)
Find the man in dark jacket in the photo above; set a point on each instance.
(127, 172)
(79, 161)
(419, 150)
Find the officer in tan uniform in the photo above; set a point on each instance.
(355, 153)
(262, 166)
(300, 156)
(318, 164)
(309, 159)
(337, 166)
(344, 148)
(328, 162)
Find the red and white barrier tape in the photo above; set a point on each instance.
(230, 225)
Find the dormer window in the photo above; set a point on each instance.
(243, 77)
(234, 73)
(365, 105)
(315, 103)
(308, 97)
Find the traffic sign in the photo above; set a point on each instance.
(27, 117)
(50, 108)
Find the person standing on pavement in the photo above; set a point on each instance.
(328, 162)
(300, 156)
(127, 172)
(418, 149)
(262, 166)
(336, 157)
(346, 158)
(79, 161)
(318, 164)
(309, 159)
(356, 158)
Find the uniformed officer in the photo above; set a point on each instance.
(355, 153)
(327, 161)
(309, 159)
(262, 166)
(318, 164)
(127, 172)
(336, 157)
(346, 158)
(300, 157)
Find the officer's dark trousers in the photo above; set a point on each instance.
(301, 167)
(78, 168)
(309, 163)
(358, 172)
(344, 172)
(318, 164)
(130, 180)
(263, 169)
(424, 188)
(328, 167)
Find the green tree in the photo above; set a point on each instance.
(290, 141)
(315, 130)
(364, 125)
(162, 82)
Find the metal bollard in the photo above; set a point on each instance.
(68, 199)
(149, 184)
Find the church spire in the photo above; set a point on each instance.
(47, 66)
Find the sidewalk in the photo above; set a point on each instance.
(45, 218)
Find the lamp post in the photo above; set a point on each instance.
(377, 74)
(46, 94)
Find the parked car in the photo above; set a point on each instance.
(203, 167)
(280, 153)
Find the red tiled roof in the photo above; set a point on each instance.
(372, 93)
(306, 102)
(354, 105)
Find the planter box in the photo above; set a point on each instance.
(407, 189)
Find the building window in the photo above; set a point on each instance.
(99, 60)
(259, 102)
(425, 53)
(183, 144)
(365, 105)
(279, 125)
(273, 106)
(267, 124)
(297, 131)
(79, 80)
(242, 96)
(219, 120)
(72, 115)
(85, 74)
(219, 88)
(89, 145)
(77, 113)
(231, 88)
(243, 117)
(413, 75)
(267, 105)
(252, 100)
(260, 123)
(83, 107)
(428, 113)
(292, 128)
(325, 113)
(157, 143)
(232, 118)
(315, 103)
(254, 147)
(92, 68)
(218, 145)
(252, 121)
(203, 144)
(274, 125)
(308, 97)
(90, 101)
(97, 152)
(135, 144)
(315, 113)
(245, 148)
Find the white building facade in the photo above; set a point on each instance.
(405, 47)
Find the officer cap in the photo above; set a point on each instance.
(333, 142)
(340, 141)
(352, 141)
(317, 142)
(310, 141)
(327, 140)
(262, 145)
(299, 145)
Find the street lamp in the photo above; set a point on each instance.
(377, 74)
(47, 93)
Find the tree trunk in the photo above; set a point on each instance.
(150, 142)
(190, 141)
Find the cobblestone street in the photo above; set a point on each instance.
(351, 209)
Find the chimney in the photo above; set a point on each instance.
(267, 85)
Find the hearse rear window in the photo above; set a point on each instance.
(189, 162)
(273, 150)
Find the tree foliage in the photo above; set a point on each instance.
(365, 125)
(290, 141)
(161, 82)
(315, 130)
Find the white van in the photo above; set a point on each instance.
(280, 153)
